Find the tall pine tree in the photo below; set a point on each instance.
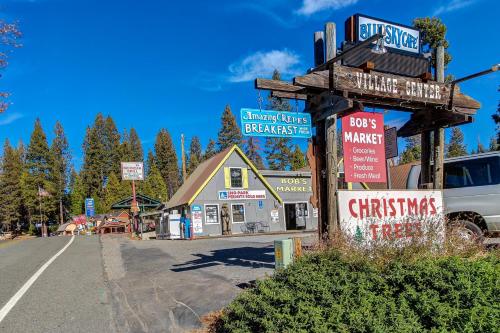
(59, 169)
(166, 161)
(10, 188)
(298, 160)
(210, 150)
(278, 150)
(252, 151)
(412, 150)
(456, 146)
(114, 191)
(111, 142)
(154, 185)
(150, 162)
(195, 154)
(229, 133)
(76, 193)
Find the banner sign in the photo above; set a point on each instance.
(89, 207)
(364, 149)
(79, 219)
(389, 215)
(275, 123)
(197, 218)
(398, 37)
(242, 194)
(132, 171)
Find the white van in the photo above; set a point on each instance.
(471, 191)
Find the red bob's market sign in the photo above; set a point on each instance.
(389, 215)
(364, 147)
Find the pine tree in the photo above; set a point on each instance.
(150, 162)
(125, 148)
(433, 34)
(412, 150)
(10, 188)
(59, 168)
(210, 150)
(136, 151)
(252, 151)
(494, 144)
(195, 155)
(111, 142)
(456, 147)
(166, 161)
(37, 179)
(154, 185)
(114, 191)
(229, 133)
(77, 194)
(298, 160)
(278, 150)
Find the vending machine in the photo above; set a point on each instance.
(174, 228)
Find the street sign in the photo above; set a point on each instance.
(278, 124)
(132, 171)
(391, 142)
(89, 207)
(363, 143)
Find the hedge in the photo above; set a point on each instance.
(327, 292)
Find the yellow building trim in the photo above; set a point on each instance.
(250, 164)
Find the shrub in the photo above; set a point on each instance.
(327, 291)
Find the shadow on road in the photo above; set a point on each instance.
(252, 257)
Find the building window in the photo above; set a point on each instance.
(236, 177)
(238, 211)
(211, 214)
(301, 209)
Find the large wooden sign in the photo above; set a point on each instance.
(364, 148)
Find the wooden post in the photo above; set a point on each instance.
(439, 132)
(425, 172)
(330, 40)
(183, 159)
(319, 48)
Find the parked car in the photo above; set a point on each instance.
(471, 191)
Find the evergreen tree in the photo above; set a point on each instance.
(114, 191)
(252, 151)
(154, 185)
(111, 142)
(298, 160)
(10, 188)
(456, 147)
(166, 161)
(195, 155)
(136, 152)
(126, 154)
(278, 150)
(59, 168)
(496, 119)
(77, 194)
(433, 33)
(37, 179)
(412, 150)
(150, 162)
(229, 133)
(210, 150)
(494, 144)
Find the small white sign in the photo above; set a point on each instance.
(132, 171)
(390, 215)
(242, 195)
(275, 216)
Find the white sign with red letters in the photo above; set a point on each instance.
(387, 215)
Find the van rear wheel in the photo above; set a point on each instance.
(469, 230)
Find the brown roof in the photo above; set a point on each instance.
(399, 177)
(196, 180)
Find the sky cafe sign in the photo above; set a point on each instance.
(275, 123)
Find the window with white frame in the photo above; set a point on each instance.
(236, 177)
(238, 212)
(211, 214)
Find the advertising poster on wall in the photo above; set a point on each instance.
(197, 218)
(280, 124)
(364, 148)
(390, 215)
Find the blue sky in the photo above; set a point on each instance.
(176, 64)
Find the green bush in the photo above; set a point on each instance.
(329, 292)
(32, 230)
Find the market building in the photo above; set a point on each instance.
(227, 194)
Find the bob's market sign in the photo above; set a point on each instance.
(390, 215)
(398, 37)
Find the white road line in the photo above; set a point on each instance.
(14, 299)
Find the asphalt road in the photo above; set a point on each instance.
(69, 296)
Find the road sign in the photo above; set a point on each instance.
(272, 123)
(132, 171)
(391, 142)
(363, 142)
(89, 207)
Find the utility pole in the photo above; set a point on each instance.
(439, 132)
(183, 159)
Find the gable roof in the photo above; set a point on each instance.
(202, 175)
(142, 201)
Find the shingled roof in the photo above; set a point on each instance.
(200, 177)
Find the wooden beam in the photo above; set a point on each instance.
(313, 80)
(277, 85)
(367, 66)
(281, 94)
(426, 121)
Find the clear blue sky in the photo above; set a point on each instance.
(176, 64)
